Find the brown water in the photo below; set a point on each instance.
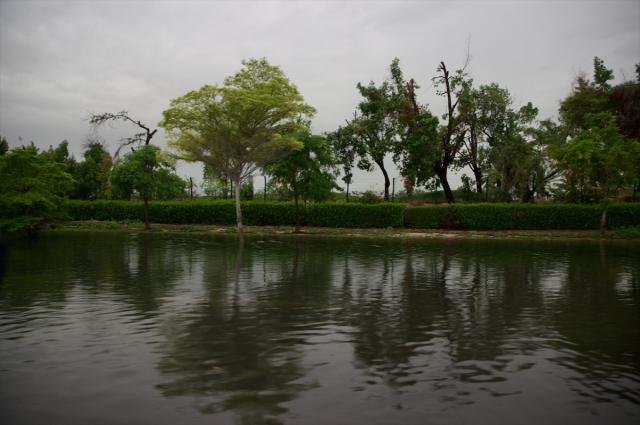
(117, 328)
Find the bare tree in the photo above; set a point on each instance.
(98, 120)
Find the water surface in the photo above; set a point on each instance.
(120, 328)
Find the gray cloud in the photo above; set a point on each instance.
(60, 59)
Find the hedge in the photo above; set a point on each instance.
(522, 216)
(253, 213)
(461, 216)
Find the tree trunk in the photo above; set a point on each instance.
(238, 210)
(147, 225)
(297, 216)
(477, 173)
(442, 173)
(604, 222)
(387, 183)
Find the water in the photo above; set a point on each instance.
(118, 328)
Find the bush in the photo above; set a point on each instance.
(354, 215)
(522, 216)
(253, 213)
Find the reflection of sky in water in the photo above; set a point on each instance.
(323, 330)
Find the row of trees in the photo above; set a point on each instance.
(591, 150)
(258, 120)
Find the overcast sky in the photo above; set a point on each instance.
(59, 60)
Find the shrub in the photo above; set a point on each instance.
(354, 215)
(521, 216)
(254, 213)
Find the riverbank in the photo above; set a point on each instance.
(136, 226)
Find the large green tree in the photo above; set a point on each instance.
(370, 135)
(239, 127)
(309, 173)
(427, 147)
(92, 174)
(31, 190)
(599, 154)
(145, 173)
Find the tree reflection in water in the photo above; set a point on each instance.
(279, 329)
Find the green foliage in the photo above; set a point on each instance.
(231, 231)
(31, 192)
(354, 215)
(623, 232)
(240, 127)
(92, 174)
(246, 192)
(371, 135)
(599, 155)
(4, 146)
(367, 197)
(144, 173)
(521, 216)
(255, 213)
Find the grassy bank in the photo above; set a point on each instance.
(138, 226)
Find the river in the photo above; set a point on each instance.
(132, 328)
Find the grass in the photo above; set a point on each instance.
(631, 233)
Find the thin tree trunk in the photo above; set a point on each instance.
(604, 222)
(442, 173)
(147, 225)
(387, 183)
(238, 210)
(477, 173)
(297, 216)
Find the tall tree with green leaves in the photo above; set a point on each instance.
(370, 135)
(600, 154)
(92, 174)
(145, 173)
(31, 190)
(4, 146)
(309, 173)
(426, 147)
(240, 127)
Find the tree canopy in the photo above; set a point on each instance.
(145, 173)
(31, 190)
(239, 127)
(309, 173)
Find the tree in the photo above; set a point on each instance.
(31, 190)
(370, 136)
(98, 120)
(427, 148)
(145, 173)
(309, 173)
(4, 146)
(240, 127)
(92, 174)
(600, 154)
(214, 183)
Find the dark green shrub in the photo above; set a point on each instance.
(522, 216)
(253, 213)
(354, 215)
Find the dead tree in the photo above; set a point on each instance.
(98, 120)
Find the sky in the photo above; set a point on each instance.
(60, 61)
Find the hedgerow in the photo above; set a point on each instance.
(253, 213)
(522, 216)
(467, 216)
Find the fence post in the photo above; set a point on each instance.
(231, 191)
(393, 191)
(191, 178)
(265, 188)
